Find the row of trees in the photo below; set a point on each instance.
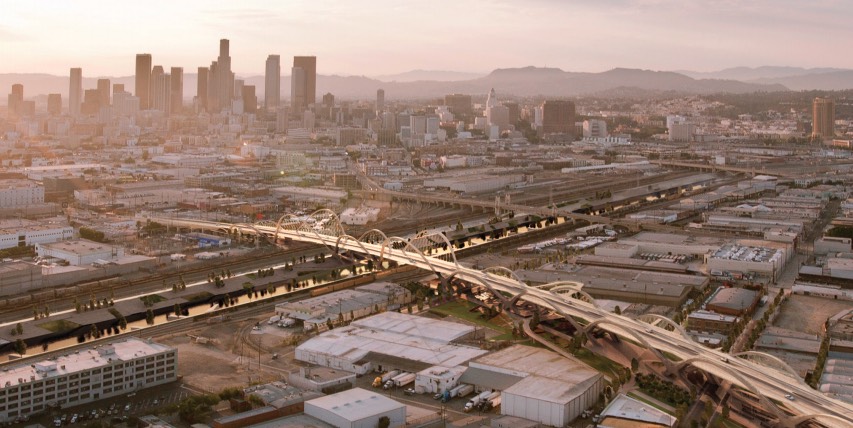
(663, 390)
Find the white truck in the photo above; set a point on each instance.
(491, 404)
(476, 401)
(484, 402)
(381, 380)
(404, 379)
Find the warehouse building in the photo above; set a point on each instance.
(20, 232)
(733, 301)
(88, 375)
(537, 384)
(390, 340)
(710, 322)
(747, 262)
(345, 305)
(670, 243)
(356, 408)
(80, 252)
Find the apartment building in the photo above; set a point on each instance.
(84, 376)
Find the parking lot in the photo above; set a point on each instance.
(116, 409)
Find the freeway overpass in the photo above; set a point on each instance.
(764, 376)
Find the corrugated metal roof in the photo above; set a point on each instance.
(488, 379)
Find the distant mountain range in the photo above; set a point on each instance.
(521, 82)
(794, 78)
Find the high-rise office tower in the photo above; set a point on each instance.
(54, 104)
(16, 100)
(823, 118)
(91, 102)
(272, 83)
(177, 89)
(104, 92)
(250, 99)
(221, 82)
(143, 80)
(297, 90)
(161, 89)
(202, 88)
(459, 104)
(514, 112)
(75, 91)
(558, 116)
(380, 99)
(329, 99)
(118, 87)
(303, 92)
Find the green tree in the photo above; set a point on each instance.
(20, 346)
(617, 310)
(19, 328)
(384, 422)
(635, 364)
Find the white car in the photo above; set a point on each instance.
(789, 397)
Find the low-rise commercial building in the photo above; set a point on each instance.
(19, 277)
(710, 322)
(387, 341)
(356, 408)
(89, 375)
(733, 301)
(537, 384)
(345, 305)
(80, 252)
(20, 232)
(743, 262)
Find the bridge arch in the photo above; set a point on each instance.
(652, 318)
(763, 359)
(371, 236)
(618, 329)
(388, 249)
(429, 240)
(725, 372)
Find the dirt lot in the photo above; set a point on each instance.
(807, 314)
(230, 356)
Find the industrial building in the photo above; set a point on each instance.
(356, 408)
(710, 322)
(20, 193)
(626, 412)
(738, 262)
(390, 340)
(310, 196)
(627, 285)
(359, 216)
(80, 252)
(733, 301)
(669, 243)
(345, 305)
(537, 384)
(20, 232)
(474, 184)
(81, 377)
(438, 379)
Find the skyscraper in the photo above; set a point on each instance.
(202, 88)
(303, 91)
(250, 99)
(75, 91)
(161, 89)
(297, 90)
(177, 89)
(103, 92)
(272, 83)
(558, 117)
(221, 80)
(16, 100)
(380, 99)
(143, 80)
(823, 118)
(459, 104)
(54, 104)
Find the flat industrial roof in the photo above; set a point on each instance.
(100, 356)
(627, 408)
(548, 376)
(390, 333)
(355, 404)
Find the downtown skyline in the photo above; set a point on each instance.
(394, 37)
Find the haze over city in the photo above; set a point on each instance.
(386, 37)
(466, 214)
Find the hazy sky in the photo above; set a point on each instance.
(372, 37)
